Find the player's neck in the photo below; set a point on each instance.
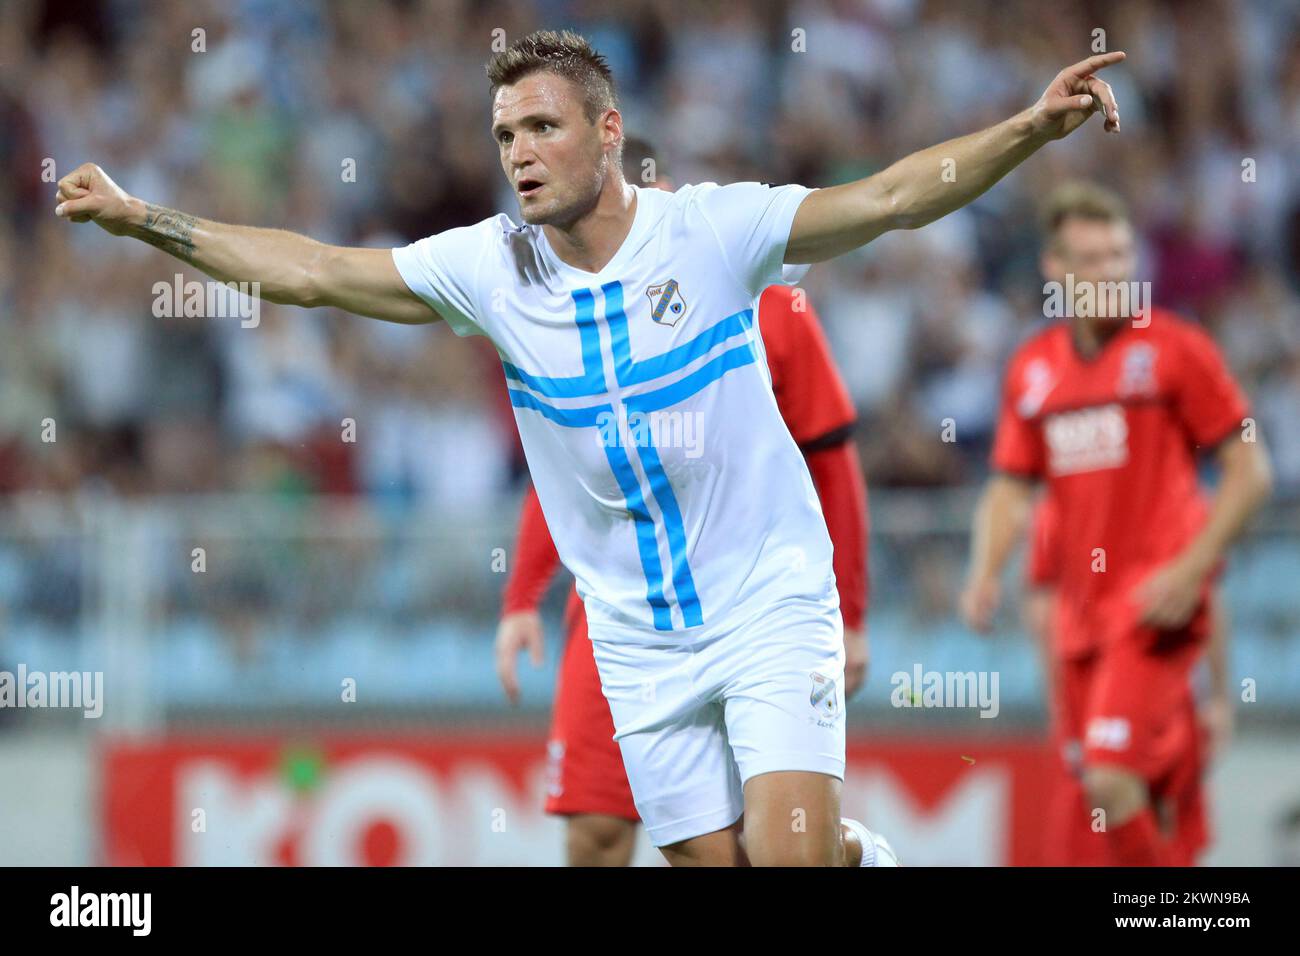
(1091, 335)
(594, 238)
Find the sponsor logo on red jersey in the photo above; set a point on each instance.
(1108, 733)
(1087, 439)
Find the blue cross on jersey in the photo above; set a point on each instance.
(674, 387)
(669, 481)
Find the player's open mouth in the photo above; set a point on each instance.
(530, 187)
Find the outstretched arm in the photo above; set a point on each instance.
(914, 191)
(289, 268)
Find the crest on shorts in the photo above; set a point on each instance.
(555, 768)
(666, 302)
(823, 697)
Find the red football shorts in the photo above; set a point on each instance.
(1129, 703)
(584, 766)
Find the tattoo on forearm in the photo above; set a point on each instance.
(170, 231)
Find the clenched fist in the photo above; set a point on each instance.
(87, 193)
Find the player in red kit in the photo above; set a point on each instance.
(586, 782)
(1110, 409)
(1068, 834)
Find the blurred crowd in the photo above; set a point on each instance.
(367, 124)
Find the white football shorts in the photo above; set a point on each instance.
(698, 717)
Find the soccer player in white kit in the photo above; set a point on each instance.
(625, 322)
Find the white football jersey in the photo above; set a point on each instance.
(669, 481)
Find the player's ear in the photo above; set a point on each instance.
(612, 127)
(1050, 265)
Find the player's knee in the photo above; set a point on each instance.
(595, 840)
(720, 848)
(800, 854)
(797, 849)
(1119, 793)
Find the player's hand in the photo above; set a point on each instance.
(519, 630)
(857, 658)
(87, 193)
(1216, 717)
(979, 603)
(1073, 96)
(1167, 599)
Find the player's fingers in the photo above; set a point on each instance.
(506, 671)
(1104, 98)
(1149, 603)
(1146, 592)
(1060, 105)
(966, 609)
(992, 599)
(535, 647)
(1094, 63)
(1165, 613)
(79, 178)
(70, 192)
(510, 686)
(69, 208)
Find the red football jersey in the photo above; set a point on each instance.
(1115, 437)
(813, 399)
(816, 407)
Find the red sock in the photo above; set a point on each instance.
(1138, 842)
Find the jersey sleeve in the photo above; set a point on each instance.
(812, 397)
(752, 224)
(793, 274)
(1208, 401)
(1018, 443)
(842, 490)
(443, 271)
(536, 559)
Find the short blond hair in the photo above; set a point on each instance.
(1081, 200)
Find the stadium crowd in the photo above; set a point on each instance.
(367, 124)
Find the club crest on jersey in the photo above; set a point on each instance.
(666, 302)
(1138, 373)
(823, 697)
